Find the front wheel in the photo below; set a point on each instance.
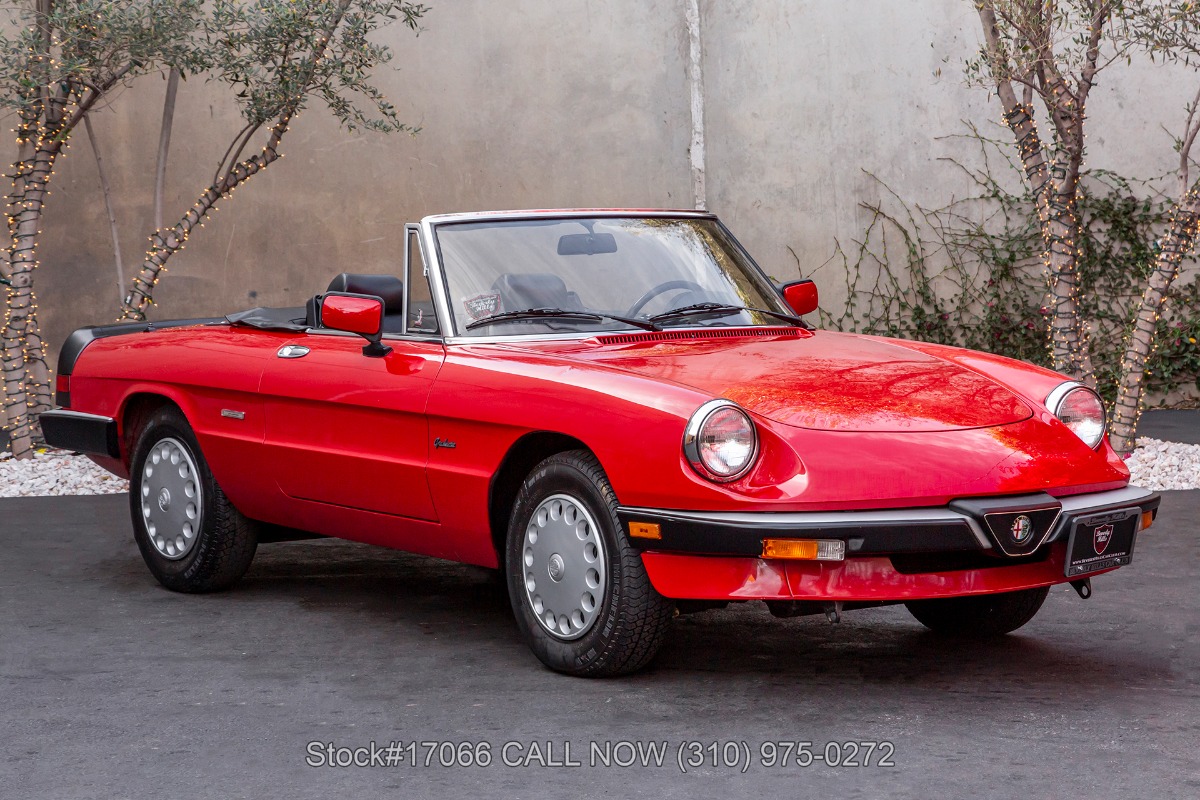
(980, 616)
(579, 591)
(190, 535)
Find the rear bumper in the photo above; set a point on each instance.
(83, 433)
(892, 555)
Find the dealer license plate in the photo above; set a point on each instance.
(1101, 541)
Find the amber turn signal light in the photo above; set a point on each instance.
(645, 530)
(1147, 520)
(805, 549)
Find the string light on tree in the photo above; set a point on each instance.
(1055, 57)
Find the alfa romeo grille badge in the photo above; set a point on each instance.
(1022, 528)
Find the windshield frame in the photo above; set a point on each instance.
(440, 286)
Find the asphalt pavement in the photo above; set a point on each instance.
(112, 687)
(1171, 425)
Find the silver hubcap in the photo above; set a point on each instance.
(171, 503)
(564, 567)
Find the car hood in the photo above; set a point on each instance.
(820, 380)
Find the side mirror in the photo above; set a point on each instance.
(356, 313)
(801, 296)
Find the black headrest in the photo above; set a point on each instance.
(533, 290)
(389, 287)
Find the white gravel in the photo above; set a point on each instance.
(1159, 465)
(1155, 465)
(55, 472)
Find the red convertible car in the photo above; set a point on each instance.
(619, 410)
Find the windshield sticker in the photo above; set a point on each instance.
(481, 305)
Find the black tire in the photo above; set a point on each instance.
(225, 540)
(981, 616)
(630, 622)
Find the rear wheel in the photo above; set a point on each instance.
(579, 591)
(190, 535)
(980, 616)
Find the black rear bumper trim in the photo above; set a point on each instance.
(81, 433)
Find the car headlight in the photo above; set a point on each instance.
(721, 442)
(1080, 409)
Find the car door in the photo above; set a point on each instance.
(351, 430)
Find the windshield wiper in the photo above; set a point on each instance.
(561, 313)
(723, 309)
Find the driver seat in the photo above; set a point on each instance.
(519, 291)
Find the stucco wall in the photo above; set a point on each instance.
(543, 103)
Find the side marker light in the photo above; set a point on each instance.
(645, 530)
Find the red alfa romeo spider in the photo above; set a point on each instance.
(619, 410)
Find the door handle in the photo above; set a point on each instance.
(292, 351)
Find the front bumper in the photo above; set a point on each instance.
(897, 554)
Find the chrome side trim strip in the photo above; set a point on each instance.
(62, 413)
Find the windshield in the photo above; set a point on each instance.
(631, 267)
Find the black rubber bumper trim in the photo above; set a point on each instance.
(688, 535)
(903, 531)
(81, 433)
(1069, 515)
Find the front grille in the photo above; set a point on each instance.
(1017, 524)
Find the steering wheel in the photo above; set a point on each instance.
(655, 291)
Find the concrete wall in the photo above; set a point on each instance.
(544, 103)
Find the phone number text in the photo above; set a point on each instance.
(732, 754)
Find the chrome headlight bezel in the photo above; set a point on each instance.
(692, 441)
(1057, 397)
